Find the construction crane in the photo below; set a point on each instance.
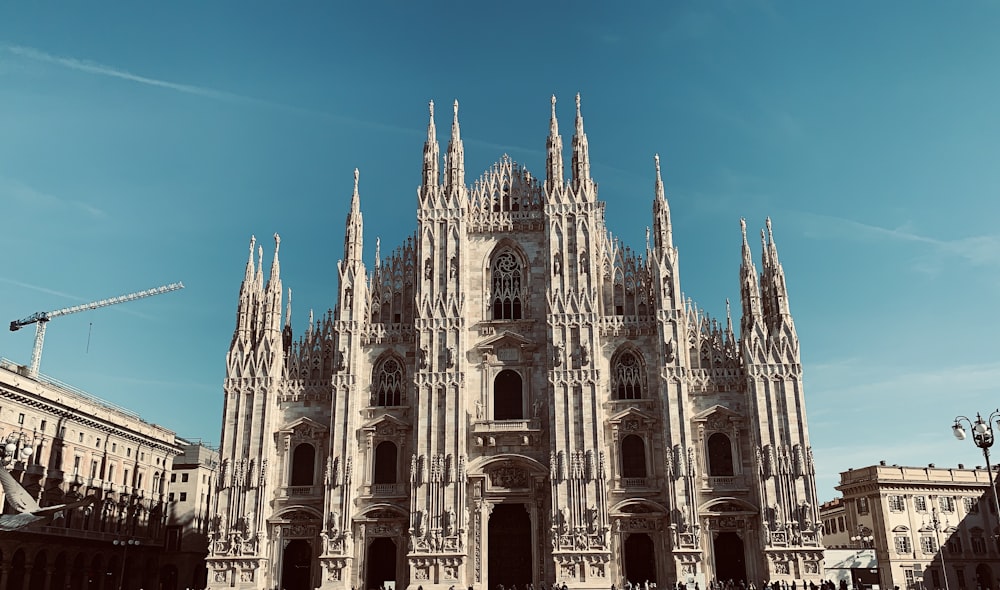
(41, 318)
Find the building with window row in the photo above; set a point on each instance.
(924, 523)
(63, 445)
(513, 396)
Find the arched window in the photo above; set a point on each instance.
(627, 376)
(303, 465)
(506, 285)
(385, 463)
(388, 383)
(507, 396)
(633, 456)
(720, 455)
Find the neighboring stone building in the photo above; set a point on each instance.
(62, 444)
(192, 481)
(513, 396)
(910, 513)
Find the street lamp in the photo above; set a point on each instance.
(982, 436)
(124, 544)
(16, 447)
(864, 537)
(937, 529)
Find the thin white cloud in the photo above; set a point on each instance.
(16, 191)
(112, 72)
(976, 250)
(40, 289)
(99, 69)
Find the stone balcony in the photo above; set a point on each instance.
(520, 432)
(730, 483)
(386, 490)
(286, 492)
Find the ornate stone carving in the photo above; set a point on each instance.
(508, 475)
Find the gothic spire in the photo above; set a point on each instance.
(288, 310)
(455, 162)
(581, 152)
(554, 147)
(774, 275)
(355, 226)
(661, 214)
(432, 153)
(274, 279)
(246, 307)
(273, 291)
(749, 288)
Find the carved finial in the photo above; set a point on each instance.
(456, 109)
(647, 237)
(577, 104)
(288, 309)
(553, 106)
(253, 242)
(770, 236)
(378, 247)
(355, 181)
(743, 228)
(656, 158)
(277, 243)
(431, 105)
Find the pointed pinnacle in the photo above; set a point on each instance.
(277, 243)
(770, 236)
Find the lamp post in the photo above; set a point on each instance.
(982, 436)
(863, 537)
(124, 544)
(936, 523)
(17, 447)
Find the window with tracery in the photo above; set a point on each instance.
(627, 377)
(506, 286)
(388, 383)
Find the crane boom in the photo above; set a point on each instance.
(42, 317)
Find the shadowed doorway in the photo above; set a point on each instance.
(509, 546)
(296, 565)
(730, 561)
(381, 563)
(640, 559)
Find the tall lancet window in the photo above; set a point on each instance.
(388, 383)
(506, 284)
(627, 376)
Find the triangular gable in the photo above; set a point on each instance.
(507, 347)
(387, 425)
(717, 411)
(507, 338)
(304, 427)
(635, 413)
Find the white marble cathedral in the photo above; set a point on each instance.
(511, 397)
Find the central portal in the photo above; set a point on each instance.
(730, 561)
(296, 567)
(640, 559)
(509, 546)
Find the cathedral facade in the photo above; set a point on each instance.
(512, 397)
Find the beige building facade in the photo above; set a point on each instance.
(925, 524)
(514, 396)
(62, 444)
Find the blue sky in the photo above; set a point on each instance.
(143, 143)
